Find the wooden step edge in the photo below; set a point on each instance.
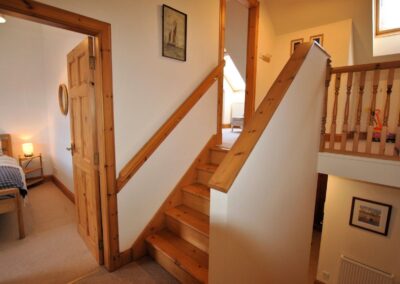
(191, 218)
(179, 257)
(198, 190)
(210, 168)
(220, 148)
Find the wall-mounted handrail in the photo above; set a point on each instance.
(233, 162)
(155, 141)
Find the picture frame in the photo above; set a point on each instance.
(294, 43)
(318, 38)
(370, 215)
(174, 33)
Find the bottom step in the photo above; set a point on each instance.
(183, 260)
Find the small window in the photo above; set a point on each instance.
(387, 16)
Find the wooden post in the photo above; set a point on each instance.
(397, 142)
(325, 106)
(220, 103)
(359, 111)
(334, 112)
(370, 130)
(382, 144)
(346, 112)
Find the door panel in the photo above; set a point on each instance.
(84, 146)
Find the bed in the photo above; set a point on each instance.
(12, 183)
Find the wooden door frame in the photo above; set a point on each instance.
(101, 31)
(251, 60)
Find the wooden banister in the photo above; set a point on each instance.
(367, 67)
(375, 130)
(155, 141)
(228, 170)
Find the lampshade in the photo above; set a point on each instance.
(27, 148)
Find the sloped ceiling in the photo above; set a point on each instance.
(291, 15)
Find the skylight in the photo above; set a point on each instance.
(232, 75)
(387, 16)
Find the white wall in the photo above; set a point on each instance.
(57, 43)
(261, 229)
(23, 99)
(338, 237)
(236, 23)
(29, 79)
(266, 43)
(148, 88)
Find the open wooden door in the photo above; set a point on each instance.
(84, 145)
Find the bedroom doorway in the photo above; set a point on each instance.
(102, 111)
(237, 93)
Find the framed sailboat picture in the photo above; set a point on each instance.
(174, 25)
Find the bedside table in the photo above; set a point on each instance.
(33, 169)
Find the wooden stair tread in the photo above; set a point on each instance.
(183, 254)
(211, 168)
(191, 218)
(220, 148)
(198, 190)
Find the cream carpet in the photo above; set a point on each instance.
(52, 251)
(229, 138)
(145, 271)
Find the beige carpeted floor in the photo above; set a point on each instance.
(229, 137)
(145, 271)
(52, 251)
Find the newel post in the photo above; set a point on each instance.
(325, 105)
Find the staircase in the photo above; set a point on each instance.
(182, 247)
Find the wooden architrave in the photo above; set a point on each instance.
(251, 60)
(52, 16)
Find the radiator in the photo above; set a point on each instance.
(353, 272)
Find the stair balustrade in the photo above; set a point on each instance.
(362, 108)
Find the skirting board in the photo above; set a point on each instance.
(63, 189)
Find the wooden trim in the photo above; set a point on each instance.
(69, 194)
(155, 141)
(221, 51)
(228, 170)
(174, 199)
(378, 31)
(46, 14)
(126, 257)
(366, 67)
(318, 282)
(251, 65)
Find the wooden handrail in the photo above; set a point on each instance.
(366, 67)
(233, 162)
(155, 141)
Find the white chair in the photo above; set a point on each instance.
(237, 115)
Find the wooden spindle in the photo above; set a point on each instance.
(346, 112)
(382, 144)
(359, 111)
(396, 151)
(325, 106)
(334, 112)
(370, 129)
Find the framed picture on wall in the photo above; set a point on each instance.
(174, 26)
(370, 215)
(318, 39)
(294, 44)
